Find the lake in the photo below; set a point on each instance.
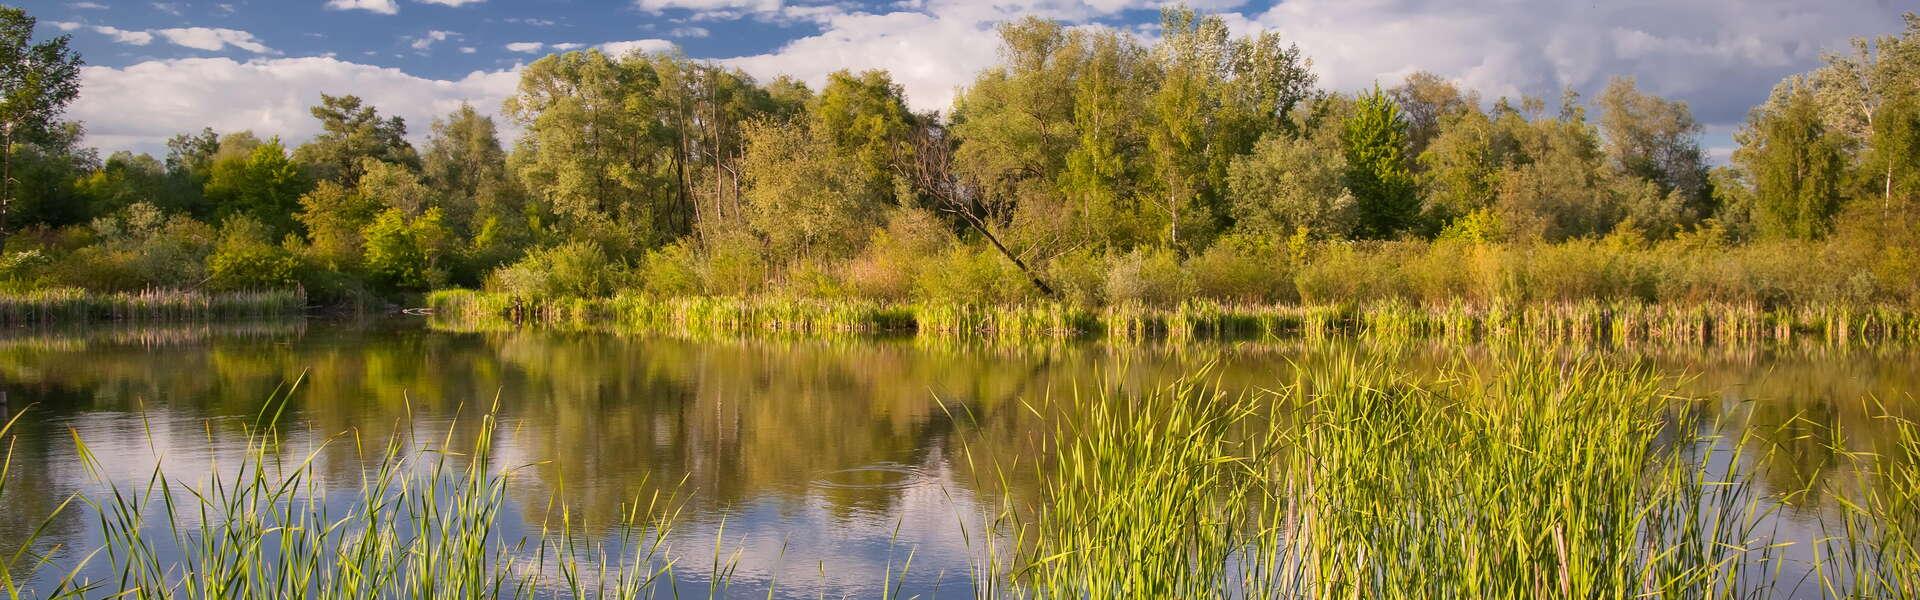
(816, 467)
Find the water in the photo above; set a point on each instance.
(819, 465)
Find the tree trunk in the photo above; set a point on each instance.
(1045, 289)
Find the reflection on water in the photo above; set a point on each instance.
(824, 462)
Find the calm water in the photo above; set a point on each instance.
(825, 461)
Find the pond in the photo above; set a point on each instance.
(814, 467)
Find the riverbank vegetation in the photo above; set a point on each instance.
(1550, 475)
(1088, 168)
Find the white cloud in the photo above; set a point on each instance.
(385, 7)
(428, 39)
(1722, 56)
(137, 38)
(525, 47)
(214, 38)
(452, 2)
(141, 105)
(565, 46)
(198, 38)
(930, 56)
(172, 8)
(690, 32)
(86, 6)
(468, 49)
(624, 48)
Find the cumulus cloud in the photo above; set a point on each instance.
(213, 38)
(139, 106)
(525, 47)
(1721, 56)
(136, 38)
(428, 39)
(385, 7)
(630, 46)
(198, 38)
(690, 32)
(929, 55)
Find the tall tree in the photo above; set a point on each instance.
(1796, 162)
(595, 153)
(37, 82)
(1655, 139)
(350, 132)
(1374, 137)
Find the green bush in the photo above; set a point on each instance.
(972, 274)
(671, 271)
(572, 269)
(247, 259)
(1149, 277)
(1245, 269)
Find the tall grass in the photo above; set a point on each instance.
(1547, 476)
(76, 305)
(1588, 321)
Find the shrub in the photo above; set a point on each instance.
(673, 270)
(1151, 277)
(970, 273)
(573, 269)
(246, 259)
(1246, 269)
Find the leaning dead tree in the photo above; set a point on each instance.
(930, 170)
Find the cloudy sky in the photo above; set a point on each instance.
(161, 67)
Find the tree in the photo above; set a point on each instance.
(1796, 163)
(1189, 164)
(352, 132)
(805, 196)
(1430, 102)
(1291, 184)
(865, 116)
(258, 180)
(407, 252)
(595, 153)
(1374, 138)
(1657, 140)
(37, 82)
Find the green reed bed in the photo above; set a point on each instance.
(1549, 478)
(74, 305)
(421, 523)
(1614, 322)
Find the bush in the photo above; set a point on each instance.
(246, 258)
(972, 274)
(1079, 277)
(736, 264)
(885, 269)
(671, 271)
(1244, 269)
(1150, 277)
(573, 269)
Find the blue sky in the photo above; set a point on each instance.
(161, 67)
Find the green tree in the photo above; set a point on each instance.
(350, 133)
(865, 116)
(37, 82)
(408, 252)
(1796, 162)
(1657, 140)
(334, 217)
(595, 154)
(1292, 184)
(804, 195)
(1374, 138)
(261, 182)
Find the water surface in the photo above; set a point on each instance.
(821, 464)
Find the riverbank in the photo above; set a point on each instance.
(1618, 322)
(70, 305)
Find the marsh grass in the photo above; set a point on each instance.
(1545, 475)
(1588, 322)
(72, 305)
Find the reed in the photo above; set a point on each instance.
(72, 305)
(1549, 477)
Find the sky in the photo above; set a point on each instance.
(157, 68)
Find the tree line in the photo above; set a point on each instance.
(1086, 166)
